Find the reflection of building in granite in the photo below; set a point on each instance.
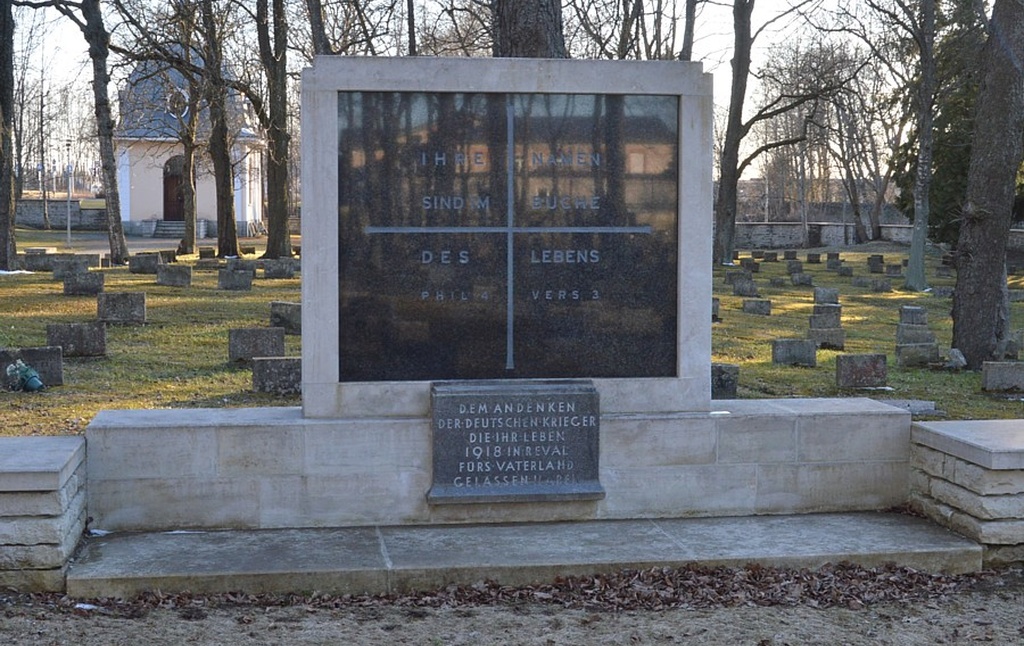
(589, 282)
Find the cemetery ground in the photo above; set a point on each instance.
(179, 358)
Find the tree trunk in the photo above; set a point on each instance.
(528, 29)
(689, 18)
(278, 183)
(916, 279)
(8, 255)
(725, 206)
(980, 307)
(96, 36)
(220, 142)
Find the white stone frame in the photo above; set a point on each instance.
(323, 395)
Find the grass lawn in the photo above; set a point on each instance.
(179, 358)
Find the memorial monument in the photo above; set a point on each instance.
(506, 316)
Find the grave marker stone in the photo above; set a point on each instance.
(47, 361)
(795, 352)
(174, 275)
(794, 267)
(826, 296)
(814, 259)
(789, 254)
(861, 370)
(244, 344)
(725, 378)
(144, 263)
(744, 287)
(231, 280)
(277, 375)
(771, 256)
(64, 267)
(89, 283)
(758, 306)
(804, 280)
(279, 268)
(121, 307)
(287, 316)
(78, 339)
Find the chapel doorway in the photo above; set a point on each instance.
(174, 201)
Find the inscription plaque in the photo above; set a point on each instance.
(499, 441)
(507, 236)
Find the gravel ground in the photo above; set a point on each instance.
(758, 606)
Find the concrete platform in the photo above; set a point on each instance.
(393, 559)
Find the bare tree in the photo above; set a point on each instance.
(980, 303)
(87, 15)
(8, 252)
(737, 128)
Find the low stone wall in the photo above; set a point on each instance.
(271, 467)
(790, 235)
(969, 476)
(29, 213)
(42, 510)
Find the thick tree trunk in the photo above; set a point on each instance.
(916, 279)
(528, 28)
(8, 256)
(725, 206)
(98, 38)
(278, 183)
(220, 142)
(980, 308)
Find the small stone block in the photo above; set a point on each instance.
(743, 287)
(207, 252)
(861, 370)
(64, 267)
(289, 316)
(908, 334)
(277, 375)
(78, 339)
(771, 256)
(942, 271)
(943, 292)
(280, 268)
(48, 361)
(168, 255)
(795, 352)
(832, 255)
(144, 263)
(777, 281)
(724, 379)
(208, 264)
(794, 267)
(228, 279)
(804, 280)
(894, 271)
(757, 254)
(245, 344)
(826, 296)
(1002, 376)
(881, 286)
(750, 265)
(845, 271)
(862, 281)
(174, 275)
(826, 318)
(833, 265)
(757, 306)
(715, 306)
(241, 264)
(121, 307)
(913, 315)
(89, 283)
(814, 259)
(789, 254)
(828, 338)
(247, 250)
(741, 274)
(917, 355)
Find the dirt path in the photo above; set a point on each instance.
(990, 611)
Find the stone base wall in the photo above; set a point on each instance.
(969, 476)
(29, 213)
(790, 235)
(263, 468)
(42, 510)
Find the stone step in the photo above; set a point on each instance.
(393, 559)
(169, 229)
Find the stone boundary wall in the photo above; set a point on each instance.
(29, 213)
(790, 235)
(271, 467)
(42, 510)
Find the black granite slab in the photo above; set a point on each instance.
(515, 441)
(493, 236)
